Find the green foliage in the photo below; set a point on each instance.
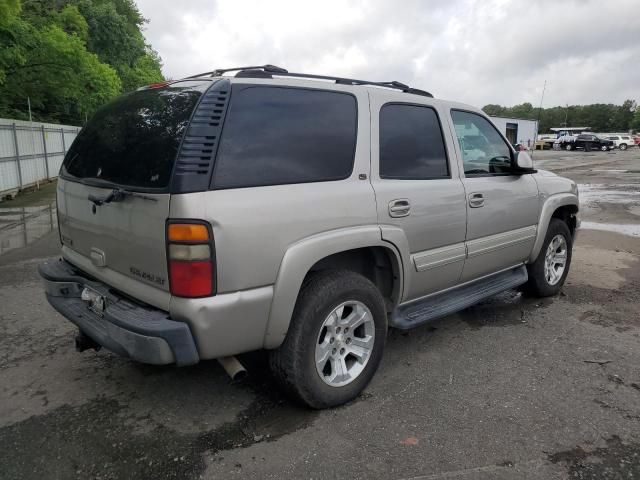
(598, 117)
(71, 56)
(635, 122)
(8, 10)
(71, 21)
(72, 82)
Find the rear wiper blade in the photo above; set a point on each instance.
(117, 195)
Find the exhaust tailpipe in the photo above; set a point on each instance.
(84, 342)
(233, 367)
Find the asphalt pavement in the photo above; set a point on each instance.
(513, 388)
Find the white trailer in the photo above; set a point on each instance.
(518, 130)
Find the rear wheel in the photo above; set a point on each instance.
(549, 271)
(604, 148)
(335, 340)
(623, 146)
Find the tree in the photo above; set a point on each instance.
(70, 56)
(597, 117)
(71, 82)
(493, 109)
(115, 36)
(635, 122)
(9, 9)
(621, 121)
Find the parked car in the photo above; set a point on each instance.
(323, 213)
(587, 141)
(622, 141)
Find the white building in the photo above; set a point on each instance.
(518, 130)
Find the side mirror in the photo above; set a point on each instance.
(524, 163)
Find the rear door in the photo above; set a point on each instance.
(502, 208)
(129, 147)
(418, 192)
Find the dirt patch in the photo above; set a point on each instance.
(599, 267)
(617, 460)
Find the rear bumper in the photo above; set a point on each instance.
(141, 333)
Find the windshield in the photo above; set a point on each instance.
(133, 141)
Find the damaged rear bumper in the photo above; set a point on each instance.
(127, 328)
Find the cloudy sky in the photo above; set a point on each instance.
(476, 51)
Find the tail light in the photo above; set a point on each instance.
(191, 259)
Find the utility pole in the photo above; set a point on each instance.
(544, 87)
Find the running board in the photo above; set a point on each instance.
(439, 305)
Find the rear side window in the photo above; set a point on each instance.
(411, 143)
(275, 136)
(133, 141)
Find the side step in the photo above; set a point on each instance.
(439, 305)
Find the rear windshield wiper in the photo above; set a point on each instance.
(118, 195)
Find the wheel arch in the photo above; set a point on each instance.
(563, 206)
(359, 249)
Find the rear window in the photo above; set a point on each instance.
(133, 141)
(277, 135)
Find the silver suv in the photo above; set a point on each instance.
(301, 214)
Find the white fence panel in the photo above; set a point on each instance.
(31, 152)
(8, 175)
(55, 162)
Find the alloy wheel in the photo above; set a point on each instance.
(345, 343)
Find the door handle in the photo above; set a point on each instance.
(476, 200)
(399, 208)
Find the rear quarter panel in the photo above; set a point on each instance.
(254, 227)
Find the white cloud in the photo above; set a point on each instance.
(477, 51)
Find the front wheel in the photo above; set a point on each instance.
(549, 271)
(604, 148)
(568, 147)
(335, 340)
(623, 146)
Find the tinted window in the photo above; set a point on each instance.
(133, 141)
(275, 136)
(484, 151)
(411, 144)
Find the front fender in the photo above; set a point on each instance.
(550, 205)
(298, 260)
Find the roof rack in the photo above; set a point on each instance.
(267, 71)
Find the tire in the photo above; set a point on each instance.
(568, 147)
(294, 363)
(604, 148)
(623, 146)
(539, 284)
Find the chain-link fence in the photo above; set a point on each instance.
(31, 152)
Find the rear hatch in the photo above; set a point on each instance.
(114, 188)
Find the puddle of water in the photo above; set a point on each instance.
(21, 226)
(630, 229)
(593, 193)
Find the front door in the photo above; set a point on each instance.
(502, 208)
(420, 197)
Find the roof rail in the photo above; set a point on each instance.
(269, 70)
(221, 71)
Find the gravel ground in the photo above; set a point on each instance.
(512, 388)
